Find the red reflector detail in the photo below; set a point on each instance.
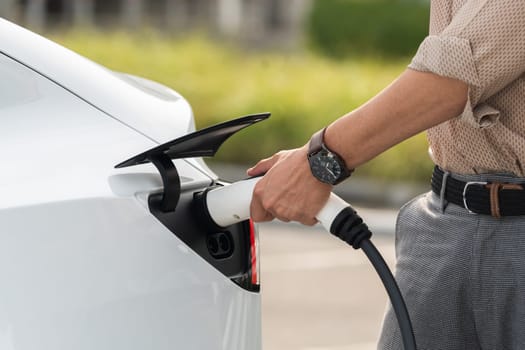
(253, 254)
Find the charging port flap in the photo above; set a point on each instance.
(201, 143)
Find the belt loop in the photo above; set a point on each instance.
(442, 200)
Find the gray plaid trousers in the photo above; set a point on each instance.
(462, 276)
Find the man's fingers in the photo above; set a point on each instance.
(260, 168)
(309, 221)
(281, 218)
(263, 165)
(257, 211)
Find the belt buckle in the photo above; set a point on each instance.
(470, 183)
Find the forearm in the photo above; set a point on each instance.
(414, 102)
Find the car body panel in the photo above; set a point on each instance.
(156, 111)
(72, 278)
(83, 262)
(61, 148)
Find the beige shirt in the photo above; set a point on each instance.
(481, 42)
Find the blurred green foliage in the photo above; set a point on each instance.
(303, 91)
(342, 28)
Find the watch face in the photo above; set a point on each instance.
(325, 167)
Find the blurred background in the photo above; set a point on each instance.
(306, 61)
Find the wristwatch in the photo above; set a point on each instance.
(326, 165)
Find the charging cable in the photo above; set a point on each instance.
(350, 228)
(226, 205)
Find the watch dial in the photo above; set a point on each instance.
(325, 168)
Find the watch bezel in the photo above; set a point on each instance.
(316, 147)
(325, 152)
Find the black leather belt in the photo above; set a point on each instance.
(480, 197)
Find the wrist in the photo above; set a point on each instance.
(334, 142)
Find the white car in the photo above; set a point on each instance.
(93, 256)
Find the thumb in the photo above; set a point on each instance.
(262, 166)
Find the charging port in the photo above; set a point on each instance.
(220, 245)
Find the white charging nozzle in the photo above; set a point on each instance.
(331, 210)
(230, 204)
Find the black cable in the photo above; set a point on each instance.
(349, 227)
(398, 303)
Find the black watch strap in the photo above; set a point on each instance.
(316, 142)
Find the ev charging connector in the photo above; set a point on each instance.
(223, 206)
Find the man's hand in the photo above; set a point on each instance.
(288, 191)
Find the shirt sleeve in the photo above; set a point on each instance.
(484, 46)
